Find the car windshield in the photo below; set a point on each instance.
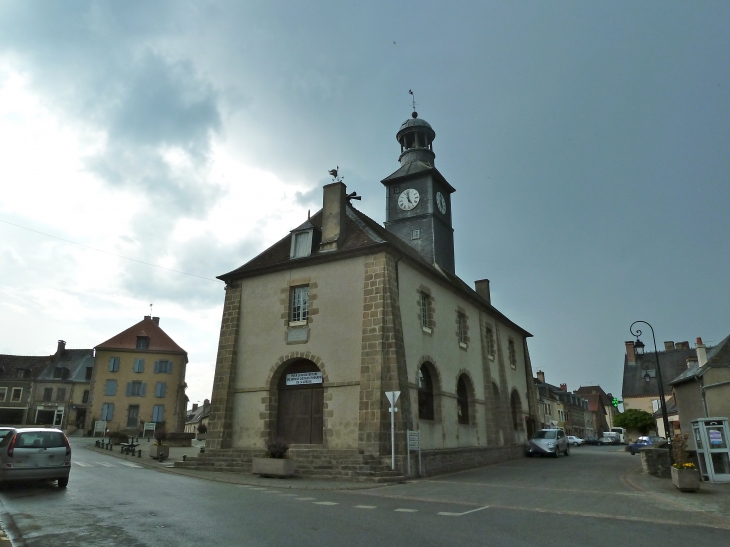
(545, 435)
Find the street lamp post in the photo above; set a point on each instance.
(639, 350)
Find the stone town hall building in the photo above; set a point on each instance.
(319, 326)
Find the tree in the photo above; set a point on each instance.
(635, 419)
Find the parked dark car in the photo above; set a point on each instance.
(641, 442)
(591, 440)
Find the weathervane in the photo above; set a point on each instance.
(150, 309)
(413, 98)
(336, 177)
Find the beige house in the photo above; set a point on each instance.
(139, 376)
(703, 389)
(317, 328)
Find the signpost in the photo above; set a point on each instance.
(414, 443)
(392, 398)
(99, 427)
(149, 426)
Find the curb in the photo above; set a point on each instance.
(241, 479)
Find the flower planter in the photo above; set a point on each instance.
(273, 467)
(686, 480)
(159, 450)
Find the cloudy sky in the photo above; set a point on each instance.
(589, 144)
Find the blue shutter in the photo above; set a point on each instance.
(169, 367)
(160, 413)
(157, 367)
(110, 413)
(129, 389)
(163, 389)
(157, 389)
(111, 364)
(143, 391)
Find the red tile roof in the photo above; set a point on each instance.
(158, 338)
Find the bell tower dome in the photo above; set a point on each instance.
(418, 197)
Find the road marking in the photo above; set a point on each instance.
(104, 464)
(305, 499)
(447, 514)
(325, 503)
(365, 507)
(271, 492)
(405, 510)
(130, 464)
(290, 495)
(258, 488)
(83, 464)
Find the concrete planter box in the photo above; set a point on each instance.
(273, 467)
(156, 451)
(686, 480)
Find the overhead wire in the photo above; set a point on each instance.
(107, 252)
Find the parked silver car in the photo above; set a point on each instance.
(548, 441)
(36, 453)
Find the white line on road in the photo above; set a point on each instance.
(271, 492)
(305, 499)
(104, 464)
(405, 510)
(446, 514)
(259, 488)
(130, 464)
(325, 503)
(83, 464)
(365, 507)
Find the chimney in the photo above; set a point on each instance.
(195, 406)
(482, 288)
(701, 352)
(630, 354)
(156, 321)
(668, 346)
(334, 202)
(62, 347)
(564, 387)
(206, 402)
(685, 345)
(541, 376)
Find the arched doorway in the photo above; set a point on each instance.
(516, 408)
(300, 410)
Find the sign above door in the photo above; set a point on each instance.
(303, 378)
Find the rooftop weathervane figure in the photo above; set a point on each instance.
(336, 177)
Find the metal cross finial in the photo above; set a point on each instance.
(413, 99)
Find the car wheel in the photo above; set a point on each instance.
(63, 483)
(556, 453)
(575, 444)
(567, 450)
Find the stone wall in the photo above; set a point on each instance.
(655, 461)
(447, 460)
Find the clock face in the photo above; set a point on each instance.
(441, 202)
(408, 199)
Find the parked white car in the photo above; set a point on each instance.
(575, 441)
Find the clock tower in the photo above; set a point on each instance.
(418, 198)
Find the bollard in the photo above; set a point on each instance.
(185, 457)
(202, 449)
(96, 443)
(139, 453)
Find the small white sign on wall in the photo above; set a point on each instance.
(303, 378)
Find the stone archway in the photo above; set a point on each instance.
(300, 403)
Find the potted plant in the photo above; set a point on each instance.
(276, 463)
(160, 450)
(685, 475)
(202, 430)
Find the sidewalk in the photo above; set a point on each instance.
(177, 453)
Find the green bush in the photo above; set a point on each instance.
(635, 419)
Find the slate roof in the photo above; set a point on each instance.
(75, 360)
(158, 338)
(362, 235)
(9, 365)
(672, 363)
(717, 356)
(194, 416)
(557, 393)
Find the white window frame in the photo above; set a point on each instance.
(20, 396)
(301, 244)
(490, 343)
(512, 350)
(299, 305)
(461, 328)
(425, 311)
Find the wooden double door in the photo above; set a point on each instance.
(300, 412)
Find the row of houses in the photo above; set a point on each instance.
(135, 377)
(587, 412)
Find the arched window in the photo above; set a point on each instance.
(425, 394)
(462, 400)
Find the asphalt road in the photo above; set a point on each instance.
(580, 500)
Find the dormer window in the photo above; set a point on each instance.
(143, 342)
(303, 239)
(60, 373)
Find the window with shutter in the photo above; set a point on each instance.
(160, 388)
(139, 365)
(61, 394)
(114, 364)
(107, 412)
(158, 413)
(48, 394)
(110, 388)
